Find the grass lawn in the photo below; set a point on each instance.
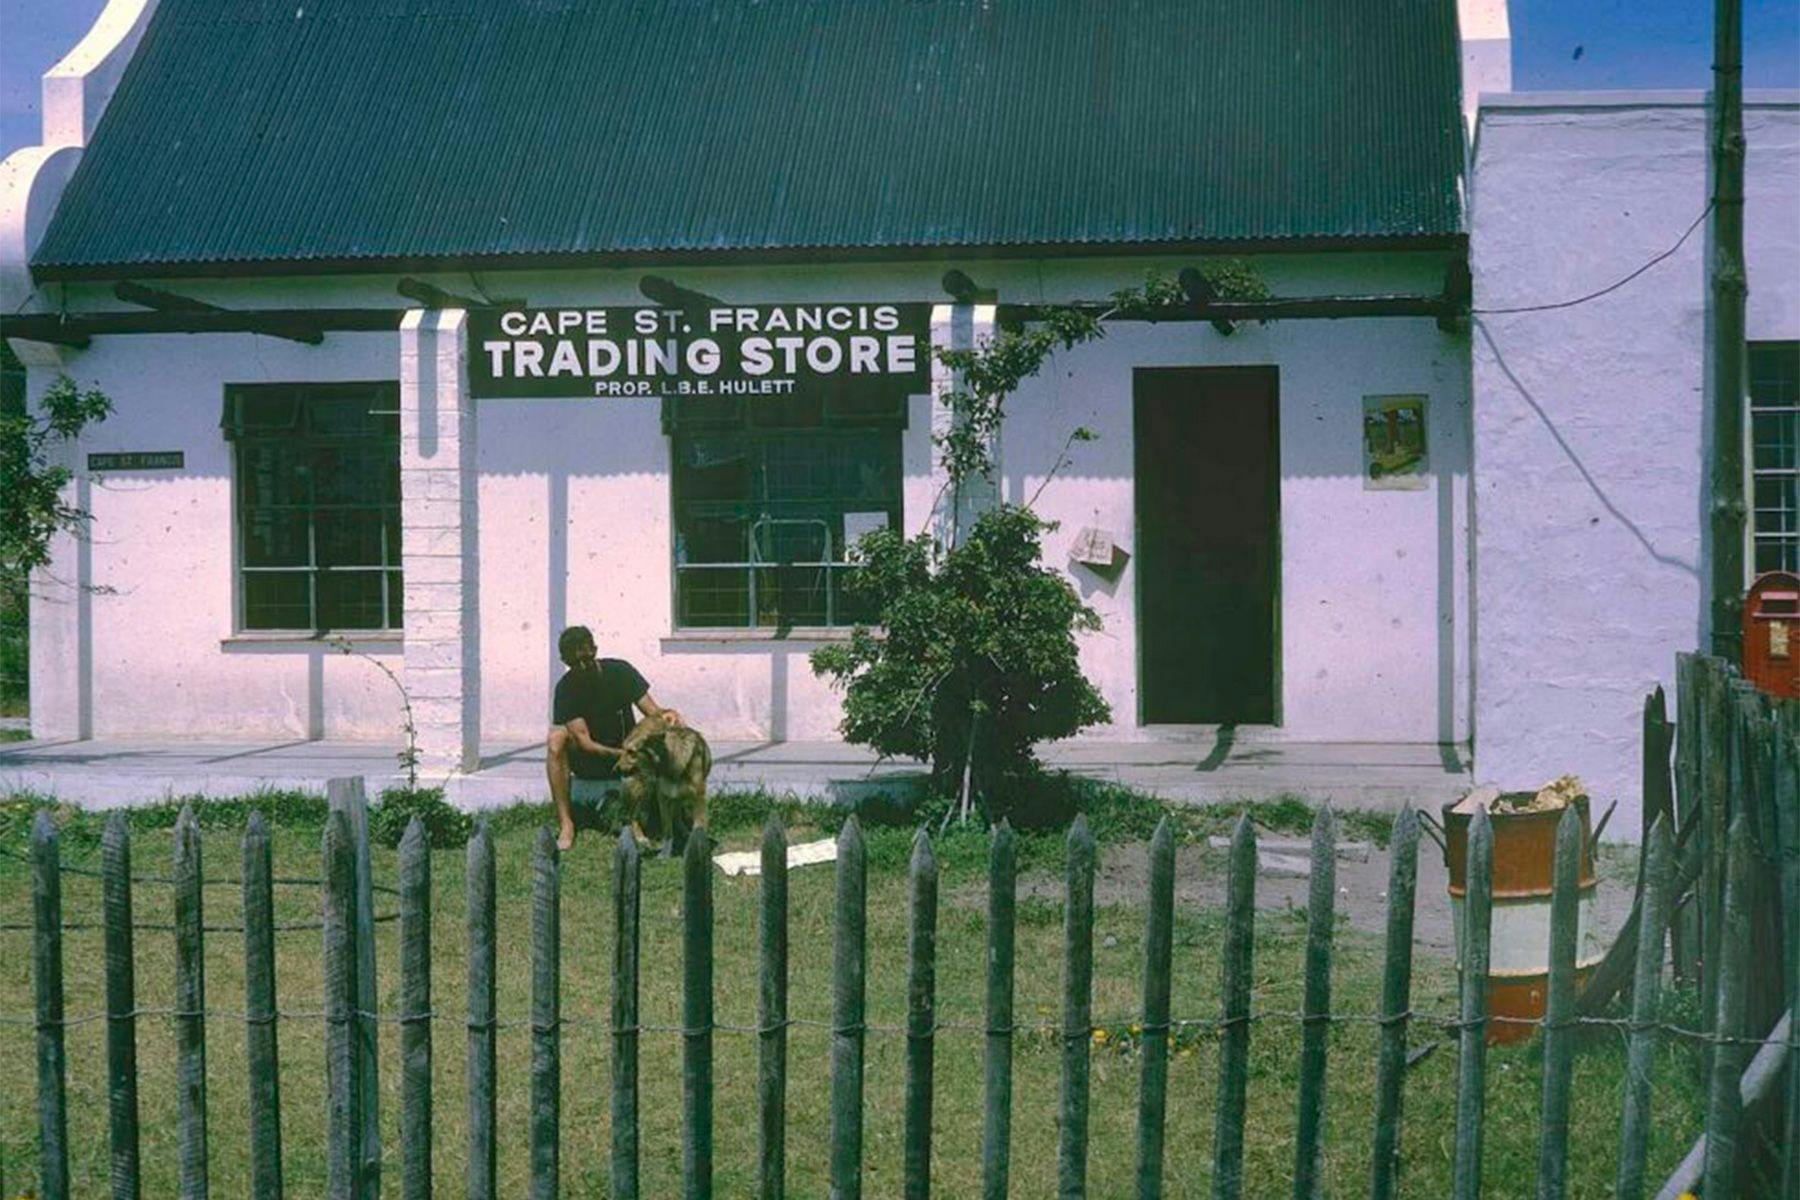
(1513, 1079)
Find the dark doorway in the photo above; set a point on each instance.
(1208, 544)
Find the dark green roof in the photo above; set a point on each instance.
(338, 132)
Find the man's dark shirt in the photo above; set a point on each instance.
(601, 695)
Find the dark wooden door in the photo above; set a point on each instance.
(1208, 544)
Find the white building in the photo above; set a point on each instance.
(1592, 420)
(1293, 559)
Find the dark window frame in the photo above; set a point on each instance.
(321, 430)
(1772, 458)
(793, 539)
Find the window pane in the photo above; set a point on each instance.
(792, 539)
(1775, 373)
(790, 596)
(1775, 508)
(396, 600)
(277, 600)
(350, 537)
(273, 474)
(712, 597)
(1774, 440)
(358, 473)
(276, 538)
(1777, 554)
(709, 538)
(352, 600)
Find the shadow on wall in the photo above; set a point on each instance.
(1613, 510)
(562, 443)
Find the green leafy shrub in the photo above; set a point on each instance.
(446, 826)
(977, 659)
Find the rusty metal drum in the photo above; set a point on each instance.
(1524, 866)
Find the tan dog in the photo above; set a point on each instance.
(665, 768)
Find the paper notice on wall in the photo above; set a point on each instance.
(1093, 547)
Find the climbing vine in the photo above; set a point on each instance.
(977, 661)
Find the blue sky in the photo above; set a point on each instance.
(1556, 44)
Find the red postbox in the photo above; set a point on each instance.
(1772, 634)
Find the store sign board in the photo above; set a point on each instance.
(759, 350)
(138, 460)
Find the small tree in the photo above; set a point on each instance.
(32, 506)
(977, 661)
(979, 655)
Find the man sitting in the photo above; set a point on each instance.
(589, 720)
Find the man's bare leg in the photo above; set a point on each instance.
(556, 768)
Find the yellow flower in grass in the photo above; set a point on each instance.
(1100, 1037)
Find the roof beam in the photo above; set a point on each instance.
(1276, 308)
(301, 324)
(170, 302)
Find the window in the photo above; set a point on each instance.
(318, 505)
(1775, 455)
(768, 493)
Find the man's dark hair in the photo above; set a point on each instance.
(575, 645)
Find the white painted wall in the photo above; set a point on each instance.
(574, 521)
(1590, 421)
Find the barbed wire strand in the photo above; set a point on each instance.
(1446, 1022)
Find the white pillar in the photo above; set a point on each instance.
(438, 549)
(60, 602)
(958, 327)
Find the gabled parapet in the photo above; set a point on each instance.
(75, 94)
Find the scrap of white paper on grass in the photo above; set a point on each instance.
(749, 862)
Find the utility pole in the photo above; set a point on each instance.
(1726, 365)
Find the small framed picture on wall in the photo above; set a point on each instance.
(1395, 449)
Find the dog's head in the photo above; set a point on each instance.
(638, 753)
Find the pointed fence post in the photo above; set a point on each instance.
(1159, 948)
(1657, 790)
(626, 866)
(1724, 1109)
(1684, 923)
(1716, 747)
(1787, 814)
(1471, 1070)
(347, 795)
(415, 1013)
(190, 1008)
(121, 1008)
(1234, 1015)
(546, 1017)
(261, 1048)
(921, 1017)
(1559, 1006)
(1396, 1004)
(996, 1136)
(1078, 1010)
(772, 1009)
(343, 1095)
(697, 1018)
(850, 962)
(1321, 914)
(47, 982)
(1653, 916)
(480, 1179)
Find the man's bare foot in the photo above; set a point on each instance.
(565, 838)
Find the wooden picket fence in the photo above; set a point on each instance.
(351, 1017)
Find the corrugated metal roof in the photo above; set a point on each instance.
(263, 131)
